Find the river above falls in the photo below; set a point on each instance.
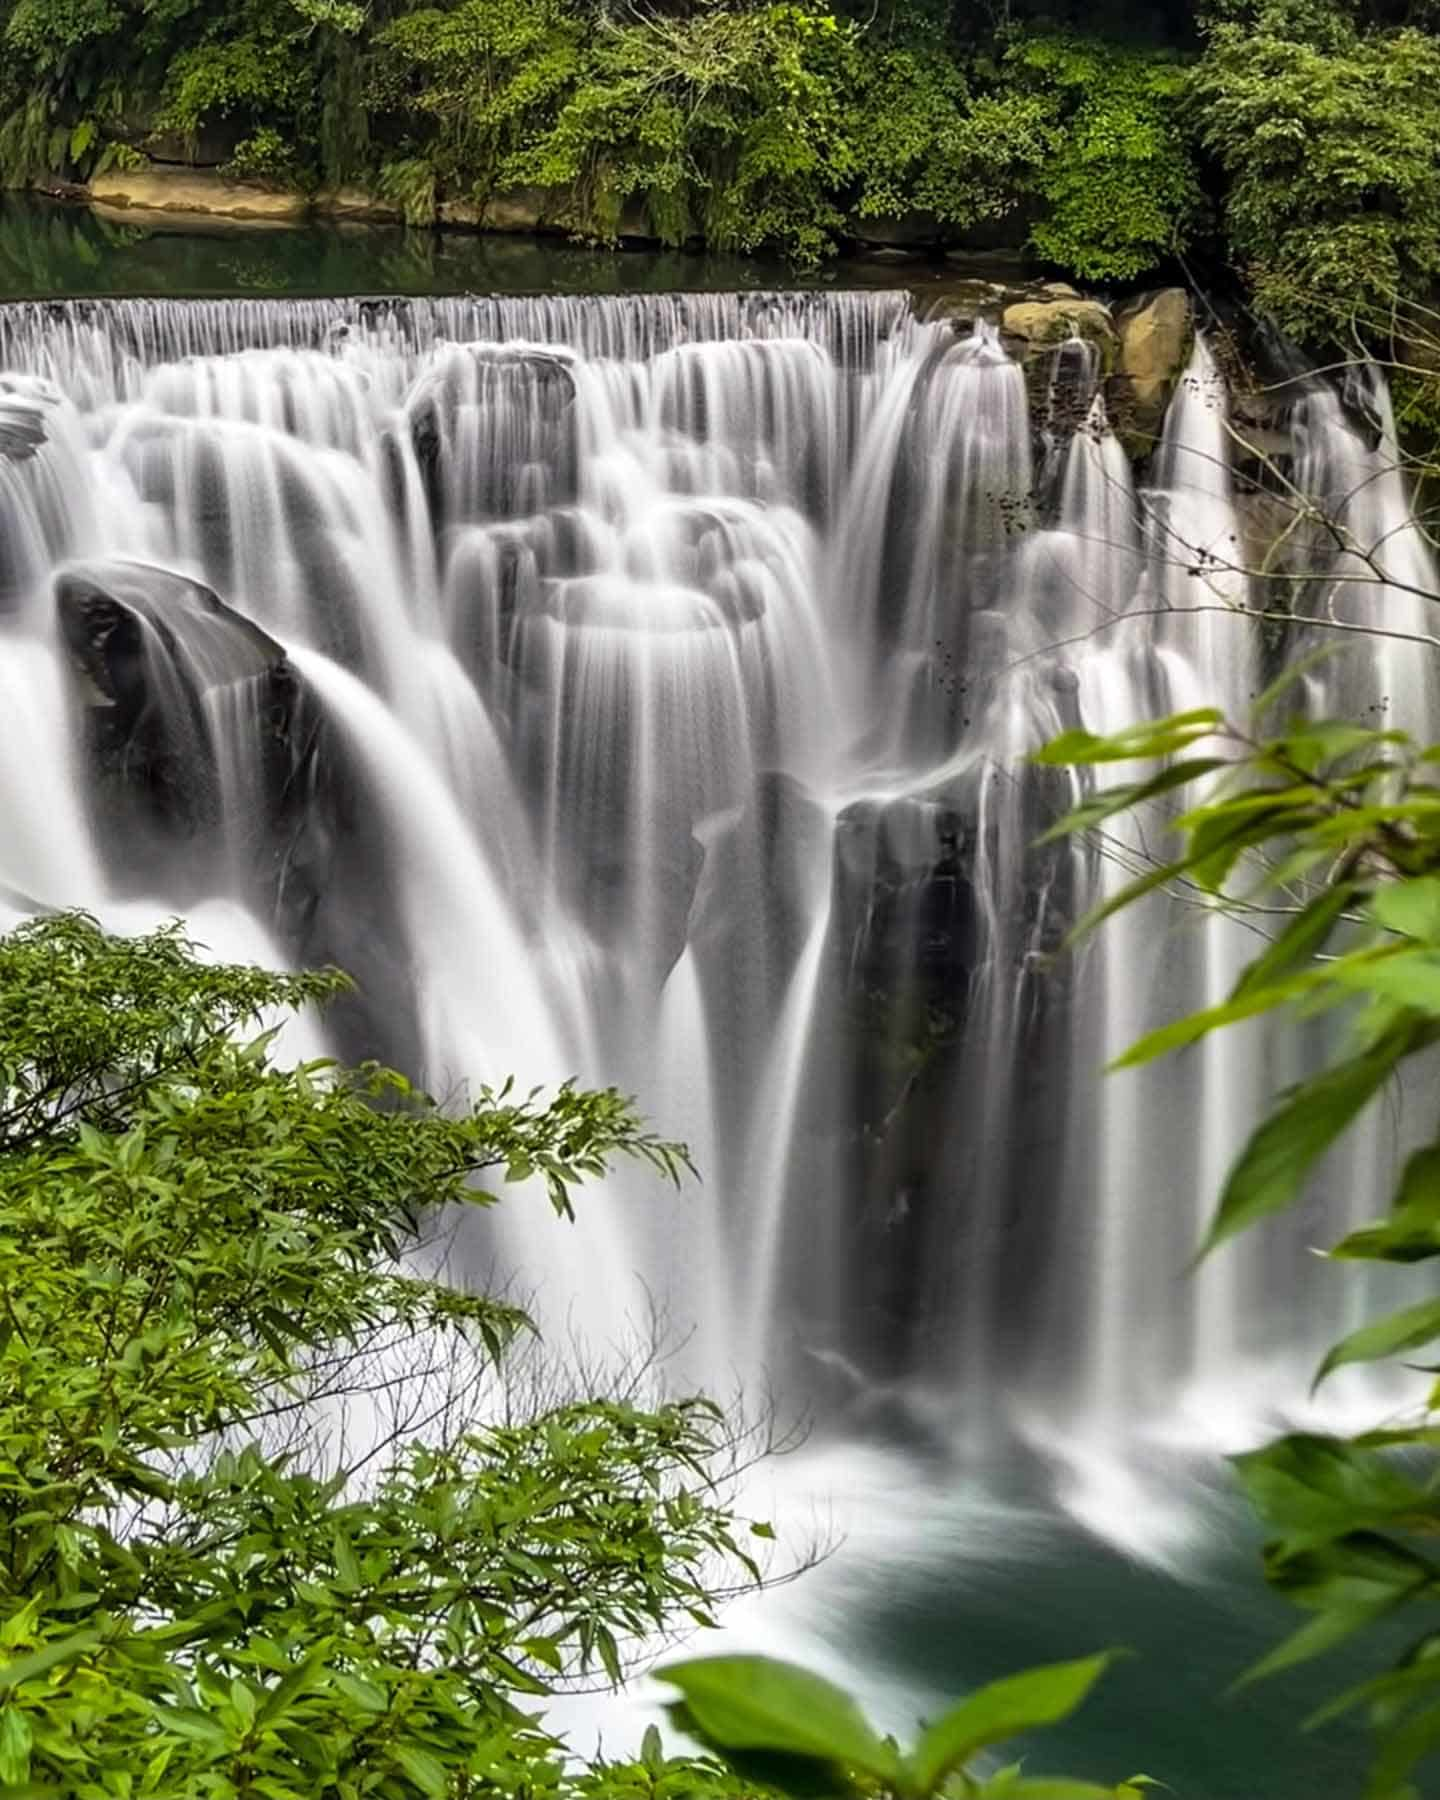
(52, 249)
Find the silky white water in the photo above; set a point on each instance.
(640, 690)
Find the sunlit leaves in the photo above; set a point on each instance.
(1332, 194)
(1343, 822)
(203, 1255)
(738, 1703)
(1160, 737)
(1411, 908)
(785, 1727)
(1307, 1120)
(1002, 1711)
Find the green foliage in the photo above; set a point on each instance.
(271, 1523)
(927, 136)
(1118, 184)
(786, 1728)
(263, 156)
(1337, 825)
(746, 125)
(484, 77)
(726, 122)
(1328, 141)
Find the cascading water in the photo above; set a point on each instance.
(639, 689)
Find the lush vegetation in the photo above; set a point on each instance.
(284, 1516)
(779, 1727)
(1299, 139)
(1324, 837)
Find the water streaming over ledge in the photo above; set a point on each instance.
(638, 688)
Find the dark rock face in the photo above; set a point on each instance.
(156, 647)
(117, 616)
(22, 422)
(178, 682)
(1157, 333)
(908, 923)
(937, 1088)
(214, 761)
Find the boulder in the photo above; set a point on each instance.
(357, 203)
(964, 302)
(24, 404)
(521, 210)
(158, 652)
(209, 144)
(1155, 342)
(1067, 347)
(528, 211)
(213, 143)
(120, 618)
(196, 191)
(1039, 325)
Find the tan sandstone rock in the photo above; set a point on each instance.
(356, 203)
(1155, 343)
(1041, 324)
(193, 191)
(511, 209)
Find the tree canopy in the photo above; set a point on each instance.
(268, 1526)
(1295, 141)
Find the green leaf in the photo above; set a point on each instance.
(1404, 1330)
(1274, 1164)
(1313, 1489)
(1327, 740)
(1412, 1231)
(1123, 897)
(1420, 1183)
(1109, 801)
(191, 1722)
(760, 1703)
(999, 1711)
(47, 1657)
(1301, 938)
(424, 1770)
(1159, 737)
(1401, 1749)
(1411, 907)
(1418, 1674)
(1410, 979)
(1218, 841)
(1317, 1637)
(1181, 1033)
(16, 1739)
(365, 1694)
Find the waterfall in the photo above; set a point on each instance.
(638, 689)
